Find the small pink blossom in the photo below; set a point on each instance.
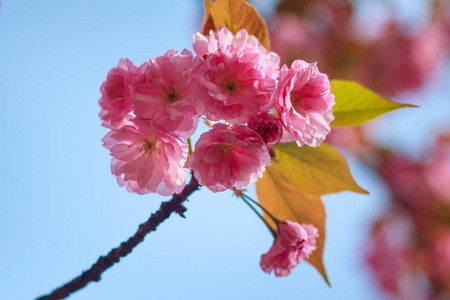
(167, 92)
(237, 76)
(268, 127)
(293, 243)
(116, 100)
(304, 103)
(147, 159)
(228, 157)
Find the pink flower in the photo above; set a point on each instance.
(237, 76)
(268, 127)
(147, 159)
(116, 100)
(240, 42)
(294, 243)
(228, 157)
(167, 92)
(304, 103)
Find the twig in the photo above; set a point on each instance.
(105, 262)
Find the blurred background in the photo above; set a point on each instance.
(61, 208)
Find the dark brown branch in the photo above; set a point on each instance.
(104, 262)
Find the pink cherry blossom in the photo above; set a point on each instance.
(166, 93)
(304, 103)
(240, 42)
(268, 127)
(226, 157)
(116, 100)
(147, 159)
(237, 76)
(292, 235)
(293, 243)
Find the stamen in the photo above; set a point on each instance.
(223, 151)
(231, 85)
(172, 96)
(297, 101)
(148, 146)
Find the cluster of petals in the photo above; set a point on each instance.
(232, 78)
(237, 76)
(227, 157)
(304, 103)
(146, 158)
(293, 243)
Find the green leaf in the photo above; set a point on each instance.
(286, 202)
(235, 15)
(316, 171)
(356, 105)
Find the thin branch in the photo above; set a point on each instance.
(105, 262)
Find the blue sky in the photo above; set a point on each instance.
(61, 208)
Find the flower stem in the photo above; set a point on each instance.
(259, 215)
(190, 146)
(265, 210)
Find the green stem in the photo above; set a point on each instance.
(265, 210)
(259, 215)
(190, 146)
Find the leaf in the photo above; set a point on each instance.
(356, 105)
(316, 171)
(286, 202)
(236, 15)
(208, 22)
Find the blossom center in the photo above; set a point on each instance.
(148, 146)
(230, 85)
(171, 95)
(223, 151)
(297, 101)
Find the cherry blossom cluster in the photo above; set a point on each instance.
(152, 111)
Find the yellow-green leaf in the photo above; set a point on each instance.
(286, 202)
(236, 15)
(316, 171)
(356, 105)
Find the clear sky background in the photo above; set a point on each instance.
(61, 208)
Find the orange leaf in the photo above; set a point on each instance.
(208, 21)
(235, 15)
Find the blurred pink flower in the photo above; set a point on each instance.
(237, 76)
(147, 159)
(304, 102)
(167, 93)
(402, 62)
(268, 127)
(228, 157)
(389, 254)
(294, 243)
(115, 102)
